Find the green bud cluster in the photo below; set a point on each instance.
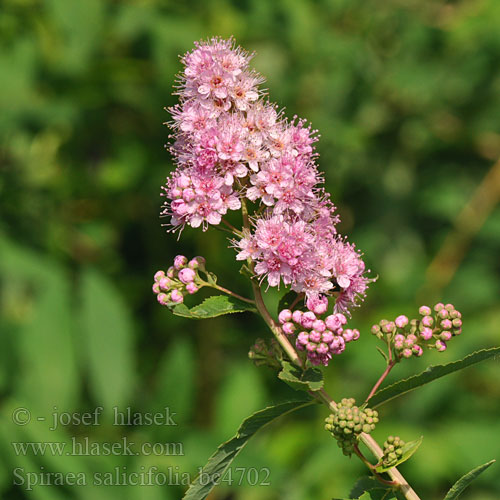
(348, 422)
(264, 353)
(393, 450)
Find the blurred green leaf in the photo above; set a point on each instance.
(464, 481)
(226, 453)
(432, 373)
(310, 379)
(408, 450)
(287, 300)
(212, 307)
(108, 340)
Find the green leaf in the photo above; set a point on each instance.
(432, 373)
(464, 481)
(308, 380)
(227, 452)
(368, 488)
(287, 300)
(363, 484)
(218, 305)
(408, 450)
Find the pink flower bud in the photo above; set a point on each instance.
(159, 275)
(177, 297)
(322, 349)
(197, 263)
(401, 321)
(162, 299)
(410, 340)
(427, 321)
(165, 284)
(289, 328)
(446, 335)
(417, 350)
(302, 339)
(426, 333)
(187, 275)
(425, 310)
(171, 272)
(446, 324)
(438, 307)
(307, 320)
(398, 341)
(440, 345)
(297, 316)
(191, 288)
(406, 353)
(319, 326)
(457, 323)
(333, 322)
(317, 305)
(314, 336)
(443, 314)
(327, 336)
(180, 261)
(350, 335)
(284, 316)
(156, 288)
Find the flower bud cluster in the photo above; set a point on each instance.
(264, 353)
(348, 422)
(319, 338)
(432, 330)
(393, 450)
(180, 279)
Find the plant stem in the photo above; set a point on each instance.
(232, 294)
(390, 366)
(233, 229)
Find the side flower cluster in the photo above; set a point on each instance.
(393, 450)
(432, 330)
(319, 338)
(231, 144)
(348, 422)
(180, 279)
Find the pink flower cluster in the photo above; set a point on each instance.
(181, 278)
(433, 330)
(231, 144)
(319, 338)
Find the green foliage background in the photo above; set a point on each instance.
(406, 95)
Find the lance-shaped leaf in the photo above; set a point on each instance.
(307, 380)
(218, 305)
(218, 463)
(408, 450)
(464, 481)
(432, 373)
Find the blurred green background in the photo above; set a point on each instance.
(406, 95)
